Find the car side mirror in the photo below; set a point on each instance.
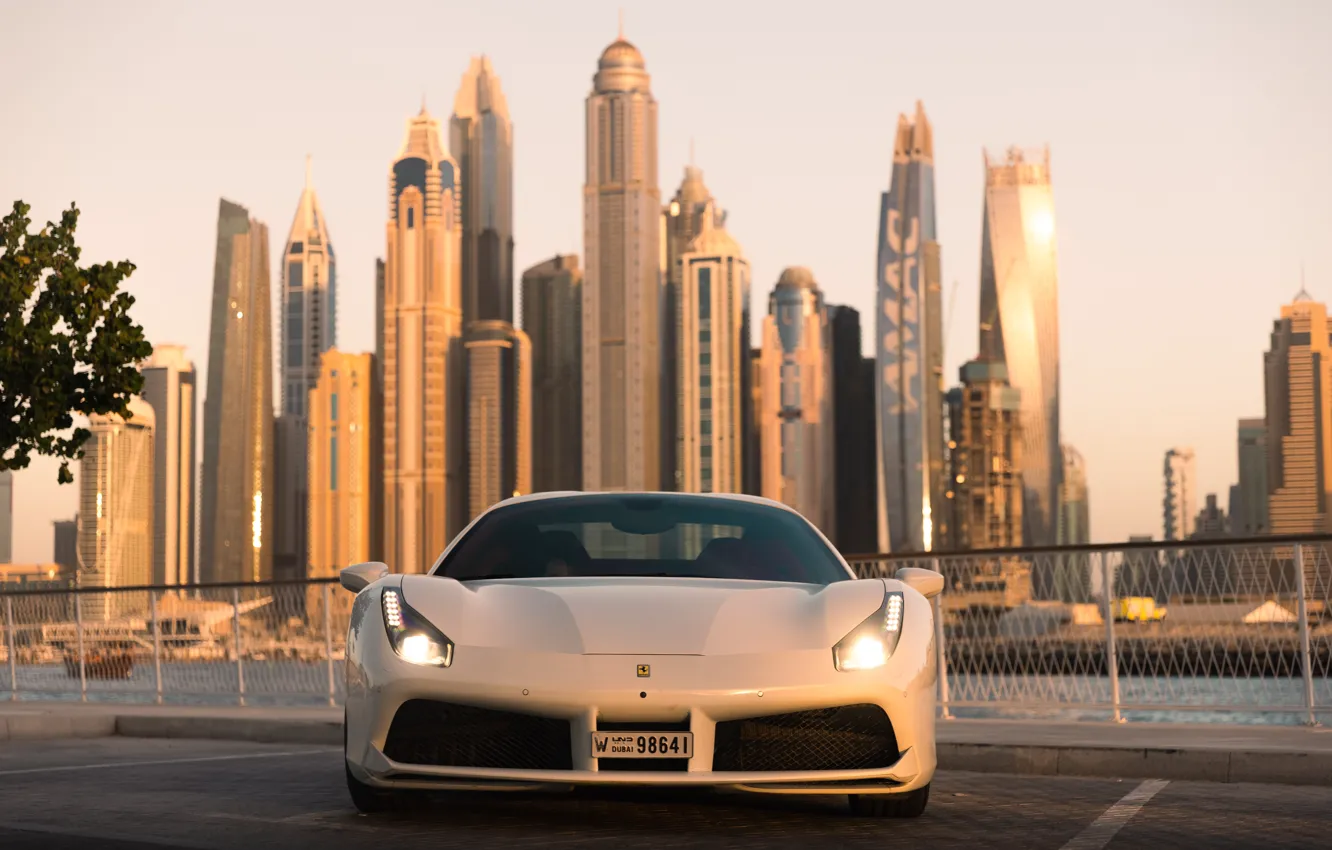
(926, 582)
(358, 577)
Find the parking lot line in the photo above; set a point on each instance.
(101, 765)
(1104, 828)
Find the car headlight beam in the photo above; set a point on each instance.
(412, 636)
(870, 644)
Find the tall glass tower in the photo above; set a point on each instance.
(909, 347)
(309, 275)
(481, 137)
(236, 499)
(1019, 321)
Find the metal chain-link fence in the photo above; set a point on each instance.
(1228, 631)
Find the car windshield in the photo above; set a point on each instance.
(643, 535)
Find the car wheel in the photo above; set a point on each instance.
(909, 805)
(366, 798)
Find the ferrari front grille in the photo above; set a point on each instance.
(446, 734)
(851, 737)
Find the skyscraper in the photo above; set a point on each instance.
(346, 464)
(621, 292)
(1299, 419)
(425, 481)
(1019, 321)
(910, 346)
(499, 414)
(116, 508)
(983, 503)
(1211, 521)
(6, 516)
(1177, 506)
(681, 221)
(796, 421)
(236, 518)
(481, 137)
(712, 362)
(169, 386)
(1248, 508)
(1074, 507)
(854, 436)
(553, 321)
(308, 293)
(65, 548)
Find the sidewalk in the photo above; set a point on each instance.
(1292, 755)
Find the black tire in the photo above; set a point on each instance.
(366, 798)
(909, 805)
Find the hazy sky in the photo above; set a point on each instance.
(1190, 145)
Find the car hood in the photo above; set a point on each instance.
(643, 616)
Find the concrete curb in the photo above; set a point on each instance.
(41, 726)
(1198, 765)
(262, 731)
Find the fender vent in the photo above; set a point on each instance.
(852, 737)
(446, 734)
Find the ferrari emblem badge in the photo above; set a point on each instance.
(644, 671)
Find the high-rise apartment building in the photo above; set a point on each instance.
(236, 498)
(854, 435)
(681, 222)
(1177, 507)
(753, 438)
(65, 544)
(1074, 504)
(499, 414)
(116, 509)
(712, 360)
(6, 516)
(909, 347)
(1299, 419)
(481, 137)
(1248, 504)
(346, 475)
(308, 273)
(425, 477)
(169, 387)
(1019, 320)
(621, 291)
(553, 322)
(796, 421)
(1210, 523)
(984, 499)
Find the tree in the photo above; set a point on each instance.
(67, 344)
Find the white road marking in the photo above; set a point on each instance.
(99, 766)
(1103, 829)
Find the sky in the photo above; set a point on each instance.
(1189, 141)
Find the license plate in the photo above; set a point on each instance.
(642, 745)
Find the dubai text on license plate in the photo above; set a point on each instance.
(638, 745)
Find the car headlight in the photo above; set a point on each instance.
(412, 635)
(871, 644)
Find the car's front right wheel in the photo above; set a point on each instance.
(366, 798)
(908, 805)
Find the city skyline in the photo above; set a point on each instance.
(1132, 471)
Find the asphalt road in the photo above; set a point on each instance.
(119, 793)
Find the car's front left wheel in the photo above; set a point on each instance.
(908, 805)
(366, 798)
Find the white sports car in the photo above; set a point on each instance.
(651, 639)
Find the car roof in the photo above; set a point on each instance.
(576, 495)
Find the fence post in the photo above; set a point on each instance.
(1306, 665)
(943, 657)
(328, 644)
(157, 643)
(78, 632)
(235, 627)
(9, 632)
(1111, 653)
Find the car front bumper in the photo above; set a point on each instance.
(587, 690)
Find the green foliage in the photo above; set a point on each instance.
(67, 344)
